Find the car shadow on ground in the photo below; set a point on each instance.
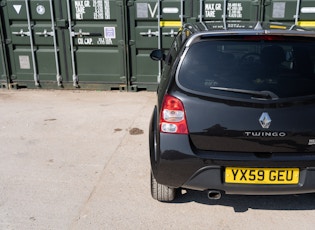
(242, 203)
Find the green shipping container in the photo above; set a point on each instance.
(66, 43)
(214, 10)
(106, 44)
(295, 12)
(299, 12)
(153, 25)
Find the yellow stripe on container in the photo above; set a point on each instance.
(306, 23)
(278, 27)
(170, 24)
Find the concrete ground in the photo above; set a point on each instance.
(79, 160)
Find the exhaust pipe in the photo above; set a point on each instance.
(214, 195)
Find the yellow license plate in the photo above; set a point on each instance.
(238, 175)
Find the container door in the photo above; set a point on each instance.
(281, 11)
(97, 43)
(153, 25)
(31, 42)
(66, 43)
(296, 12)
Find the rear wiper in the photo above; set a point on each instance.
(256, 94)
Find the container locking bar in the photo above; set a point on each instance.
(296, 16)
(200, 10)
(224, 15)
(58, 76)
(74, 75)
(150, 33)
(36, 76)
(81, 34)
(46, 33)
(22, 33)
(172, 33)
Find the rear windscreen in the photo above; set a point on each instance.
(267, 69)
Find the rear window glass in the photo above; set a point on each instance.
(244, 68)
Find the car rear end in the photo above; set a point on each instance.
(238, 116)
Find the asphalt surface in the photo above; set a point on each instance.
(79, 160)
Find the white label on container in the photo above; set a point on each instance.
(107, 9)
(278, 10)
(79, 9)
(142, 10)
(170, 10)
(85, 41)
(154, 11)
(110, 32)
(308, 10)
(17, 8)
(211, 9)
(40, 9)
(98, 9)
(235, 10)
(101, 9)
(24, 61)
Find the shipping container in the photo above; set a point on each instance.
(66, 43)
(105, 44)
(298, 12)
(153, 24)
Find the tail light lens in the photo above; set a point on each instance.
(172, 117)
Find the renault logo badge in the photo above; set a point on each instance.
(265, 120)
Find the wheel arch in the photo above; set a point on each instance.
(153, 139)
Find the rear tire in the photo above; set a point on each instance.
(161, 192)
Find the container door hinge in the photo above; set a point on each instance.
(62, 23)
(121, 43)
(119, 3)
(267, 3)
(256, 3)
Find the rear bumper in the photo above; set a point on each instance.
(176, 164)
(212, 178)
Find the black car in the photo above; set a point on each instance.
(235, 111)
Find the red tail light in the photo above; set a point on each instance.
(172, 117)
